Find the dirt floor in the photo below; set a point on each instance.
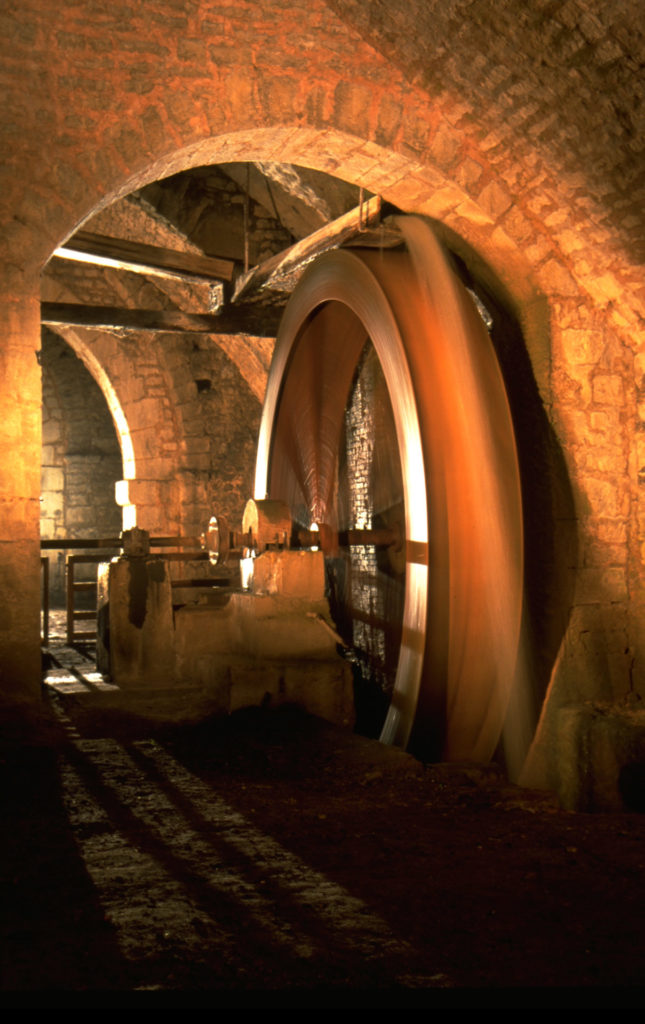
(272, 859)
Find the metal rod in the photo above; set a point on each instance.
(246, 219)
(325, 538)
(65, 543)
(44, 562)
(216, 584)
(186, 556)
(70, 600)
(71, 543)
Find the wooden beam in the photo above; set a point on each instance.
(292, 261)
(255, 320)
(144, 259)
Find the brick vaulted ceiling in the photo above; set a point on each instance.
(562, 78)
(550, 94)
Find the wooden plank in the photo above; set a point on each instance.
(142, 258)
(253, 319)
(293, 260)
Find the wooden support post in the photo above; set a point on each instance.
(294, 259)
(261, 321)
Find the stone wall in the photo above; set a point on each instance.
(190, 404)
(81, 459)
(218, 230)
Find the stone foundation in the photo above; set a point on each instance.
(601, 753)
(235, 649)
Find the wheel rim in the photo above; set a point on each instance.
(456, 657)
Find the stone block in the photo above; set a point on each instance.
(137, 625)
(19, 517)
(446, 199)
(298, 574)
(569, 241)
(518, 226)
(601, 757)
(494, 200)
(607, 289)
(555, 279)
(607, 389)
(52, 478)
(444, 145)
(609, 459)
(613, 532)
(389, 118)
(598, 585)
(52, 431)
(470, 211)
(51, 506)
(468, 173)
(325, 689)
(275, 628)
(251, 650)
(604, 421)
(603, 497)
(202, 629)
(253, 685)
(143, 492)
(582, 347)
(600, 553)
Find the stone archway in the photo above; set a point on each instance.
(178, 489)
(339, 150)
(81, 461)
(206, 86)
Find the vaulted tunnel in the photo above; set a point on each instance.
(528, 170)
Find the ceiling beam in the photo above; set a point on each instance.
(278, 271)
(254, 320)
(144, 259)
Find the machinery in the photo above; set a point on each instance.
(387, 469)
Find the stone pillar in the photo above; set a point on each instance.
(20, 445)
(135, 622)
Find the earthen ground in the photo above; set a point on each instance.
(270, 857)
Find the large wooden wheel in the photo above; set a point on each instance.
(385, 409)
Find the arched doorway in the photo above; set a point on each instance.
(187, 427)
(81, 458)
